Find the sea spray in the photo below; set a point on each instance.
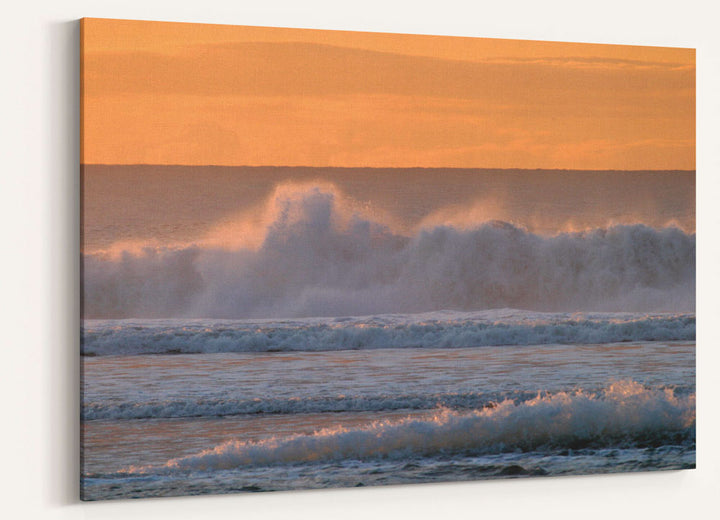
(317, 259)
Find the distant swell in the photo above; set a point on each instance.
(625, 414)
(430, 330)
(318, 258)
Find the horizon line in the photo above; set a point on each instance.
(393, 167)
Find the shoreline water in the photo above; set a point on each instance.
(372, 417)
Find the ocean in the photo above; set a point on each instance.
(272, 329)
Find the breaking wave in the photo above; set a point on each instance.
(625, 414)
(429, 330)
(318, 257)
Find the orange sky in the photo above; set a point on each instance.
(175, 93)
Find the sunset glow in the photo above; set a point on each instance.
(171, 93)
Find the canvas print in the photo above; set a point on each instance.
(317, 259)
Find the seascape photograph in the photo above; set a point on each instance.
(320, 259)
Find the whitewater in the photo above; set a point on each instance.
(443, 329)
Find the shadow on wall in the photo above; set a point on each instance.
(61, 364)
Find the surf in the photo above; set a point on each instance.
(320, 257)
(624, 414)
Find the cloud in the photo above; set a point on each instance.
(308, 69)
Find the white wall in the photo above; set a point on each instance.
(38, 295)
